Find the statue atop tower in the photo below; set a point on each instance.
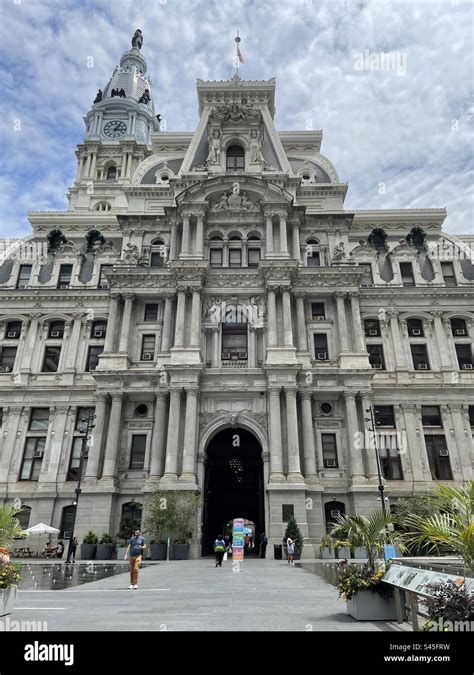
(137, 39)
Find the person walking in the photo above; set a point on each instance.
(219, 550)
(74, 545)
(263, 545)
(135, 548)
(290, 547)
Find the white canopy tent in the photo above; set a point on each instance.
(41, 528)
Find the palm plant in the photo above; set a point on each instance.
(10, 527)
(372, 532)
(451, 529)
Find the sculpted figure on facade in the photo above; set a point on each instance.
(256, 156)
(214, 155)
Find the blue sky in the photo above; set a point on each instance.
(401, 140)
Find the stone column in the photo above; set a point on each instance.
(189, 446)
(158, 436)
(366, 402)
(283, 236)
(22, 343)
(11, 423)
(269, 233)
(252, 354)
(93, 165)
(245, 261)
(185, 239)
(460, 434)
(200, 235)
(56, 443)
(296, 241)
(173, 241)
(126, 323)
(93, 461)
(416, 446)
(88, 165)
(301, 321)
(355, 453)
(400, 360)
(112, 323)
(167, 323)
(271, 318)
(113, 438)
(294, 465)
(341, 320)
(180, 311)
(225, 252)
(215, 346)
(442, 340)
(357, 323)
(276, 454)
(287, 324)
(308, 436)
(30, 342)
(73, 343)
(196, 318)
(171, 463)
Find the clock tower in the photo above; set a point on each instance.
(117, 137)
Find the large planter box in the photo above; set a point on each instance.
(328, 553)
(7, 600)
(180, 551)
(344, 552)
(360, 552)
(158, 551)
(104, 551)
(296, 555)
(88, 551)
(371, 606)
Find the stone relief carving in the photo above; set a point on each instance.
(235, 112)
(235, 201)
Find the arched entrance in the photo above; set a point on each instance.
(233, 483)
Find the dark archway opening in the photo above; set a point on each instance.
(233, 484)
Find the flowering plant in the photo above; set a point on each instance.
(355, 578)
(9, 575)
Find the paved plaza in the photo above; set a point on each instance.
(193, 595)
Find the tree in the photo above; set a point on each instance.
(420, 504)
(451, 529)
(293, 531)
(173, 513)
(371, 531)
(10, 527)
(158, 520)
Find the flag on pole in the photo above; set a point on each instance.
(239, 55)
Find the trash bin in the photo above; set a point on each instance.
(277, 551)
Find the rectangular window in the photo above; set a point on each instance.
(390, 463)
(137, 453)
(39, 419)
(82, 415)
(235, 257)
(103, 281)
(447, 269)
(321, 347)
(317, 310)
(65, 275)
(287, 512)
(384, 416)
(415, 328)
(51, 359)
(419, 355)
(216, 257)
(438, 457)
(93, 357)
(464, 354)
(234, 341)
(56, 330)
(253, 257)
(329, 446)
(431, 416)
(13, 330)
(24, 276)
(75, 461)
(406, 271)
(368, 278)
(471, 415)
(99, 329)
(148, 348)
(7, 359)
(376, 357)
(372, 328)
(314, 259)
(151, 312)
(32, 458)
(458, 327)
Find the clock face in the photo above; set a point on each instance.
(115, 129)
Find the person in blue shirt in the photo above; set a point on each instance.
(219, 550)
(135, 548)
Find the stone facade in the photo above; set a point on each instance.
(211, 280)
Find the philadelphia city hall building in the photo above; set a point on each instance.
(235, 330)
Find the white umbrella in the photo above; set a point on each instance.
(41, 528)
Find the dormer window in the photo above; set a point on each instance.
(235, 158)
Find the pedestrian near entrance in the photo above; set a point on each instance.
(219, 550)
(135, 548)
(263, 545)
(290, 546)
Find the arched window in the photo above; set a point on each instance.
(313, 254)
(103, 206)
(215, 251)
(67, 518)
(254, 251)
(235, 158)
(157, 253)
(24, 516)
(131, 518)
(112, 173)
(331, 511)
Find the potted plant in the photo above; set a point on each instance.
(159, 522)
(9, 577)
(158, 550)
(10, 529)
(183, 518)
(105, 548)
(449, 603)
(327, 547)
(89, 545)
(343, 549)
(294, 532)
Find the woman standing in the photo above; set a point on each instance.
(290, 545)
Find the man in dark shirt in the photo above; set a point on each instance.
(135, 548)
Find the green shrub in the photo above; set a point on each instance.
(106, 539)
(90, 538)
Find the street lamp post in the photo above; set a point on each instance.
(78, 490)
(371, 419)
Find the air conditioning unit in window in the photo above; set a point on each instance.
(422, 366)
(335, 513)
(5, 369)
(330, 464)
(38, 454)
(104, 285)
(460, 331)
(147, 356)
(320, 317)
(99, 333)
(242, 355)
(22, 286)
(93, 367)
(443, 452)
(321, 356)
(415, 332)
(466, 366)
(63, 286)
(55, 333)
(225, 355)
(377, 366)
(234, 356)
(373, 332)
(13, 334)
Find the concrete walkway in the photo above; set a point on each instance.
(194, 595)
